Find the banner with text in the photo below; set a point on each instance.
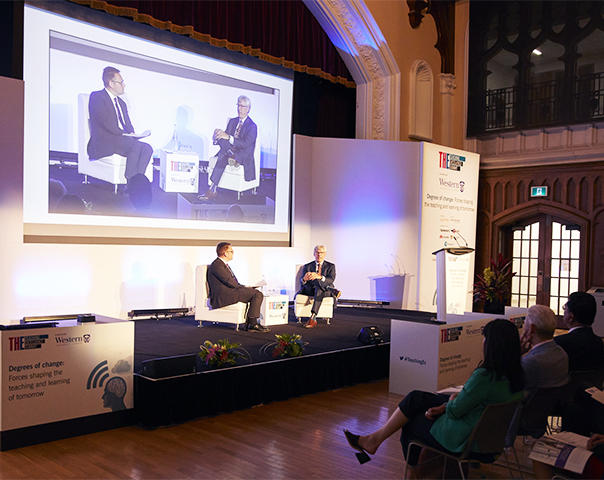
(449, 195)
(60, 373)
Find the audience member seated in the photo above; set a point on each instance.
(584, 348)
(545, 363)
(317, 281)
(446, 422)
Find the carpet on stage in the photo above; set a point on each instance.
(182, 336)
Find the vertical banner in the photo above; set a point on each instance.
(65, 372)
(449, 196)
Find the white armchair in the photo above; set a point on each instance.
(303, 303)
(203, 311)
(233, 176)
(109, 169)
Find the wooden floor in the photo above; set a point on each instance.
(299, 438)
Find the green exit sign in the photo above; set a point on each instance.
(539, 191)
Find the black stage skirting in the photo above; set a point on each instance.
(333, 358)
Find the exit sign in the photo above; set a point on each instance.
(539, 191)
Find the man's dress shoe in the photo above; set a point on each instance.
(312, 321)
(209, 194)
(257, 328)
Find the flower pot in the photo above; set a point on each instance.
(497, 307)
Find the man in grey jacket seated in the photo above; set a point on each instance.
(545, 363)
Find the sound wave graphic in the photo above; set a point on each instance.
(98, 375)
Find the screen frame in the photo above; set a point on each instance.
(65, 230)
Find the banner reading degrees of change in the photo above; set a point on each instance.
(449, 194)
(65, 372)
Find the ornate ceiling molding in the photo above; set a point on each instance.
(353, 31)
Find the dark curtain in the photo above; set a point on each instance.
(281, 32)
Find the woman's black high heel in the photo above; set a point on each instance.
(353, 441)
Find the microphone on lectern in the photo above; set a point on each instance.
(460, 236)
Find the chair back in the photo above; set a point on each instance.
(202, 290)
(299, 273)
(490, 431)
(539, 406)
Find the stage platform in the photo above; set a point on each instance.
(333, 358)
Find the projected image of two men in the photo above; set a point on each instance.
(133, 135)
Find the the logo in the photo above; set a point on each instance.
(64, 339)
(276, 305)
(182, 167)
(450, 334)
(27, 342)
(451, 161)
(454, 185)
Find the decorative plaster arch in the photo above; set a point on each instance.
(353, 31)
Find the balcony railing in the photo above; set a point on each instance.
(546, 103)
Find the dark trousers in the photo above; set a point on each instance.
(221, 163)
(313, 289)
(253, 298)
(414, 407)
(138, 155)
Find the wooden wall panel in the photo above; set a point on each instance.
(575, 193)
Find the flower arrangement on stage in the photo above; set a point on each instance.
(493, 288)
(222, 353)
(287, 345)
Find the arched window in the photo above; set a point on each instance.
(421, 86)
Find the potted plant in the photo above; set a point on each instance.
(492, 289)
(286, 345)
(222, 353)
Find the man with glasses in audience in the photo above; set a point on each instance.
(584, 348)
(237, 144)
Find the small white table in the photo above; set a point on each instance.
(275, 309)
(178, 171)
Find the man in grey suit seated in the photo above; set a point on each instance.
(545, 364)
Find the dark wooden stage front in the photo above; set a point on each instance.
(334, 358)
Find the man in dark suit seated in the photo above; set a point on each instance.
(237, 144)
(226, 290)
(110, 126)
(584, 348)
(317, 281)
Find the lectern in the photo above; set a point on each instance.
(441, 277)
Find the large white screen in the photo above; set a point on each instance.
(167, 89)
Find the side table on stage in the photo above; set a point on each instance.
(178, 171)
(274, 310)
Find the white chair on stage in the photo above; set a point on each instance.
(109, 169)
(203, 311)
(233, 176)
(303, 303)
